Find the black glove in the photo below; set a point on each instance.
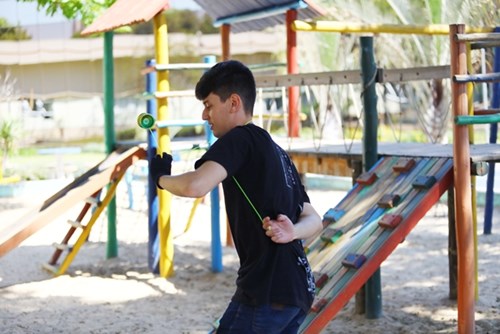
(159, 166)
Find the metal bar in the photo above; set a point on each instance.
(490, 181)
(415, 73)
(489, 111)
(486, 77)
(484, 45)
(352, 27)
(477, 37)
(182, 66)
(317, 78)
(352, 77)
(478, 119)
(179, 122)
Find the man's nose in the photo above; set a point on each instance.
(204, 115)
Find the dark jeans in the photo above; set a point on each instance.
(268, 319)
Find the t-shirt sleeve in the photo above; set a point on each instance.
(230, 151)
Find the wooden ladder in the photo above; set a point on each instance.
(78, 226)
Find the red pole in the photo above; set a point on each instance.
(225, 30)
(292, 67)
(463, 193)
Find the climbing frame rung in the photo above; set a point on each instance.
(50, 268)
(331, 235)
(92, 200)
(404, 165)
(75, 224)
(333, 215)
(62, 247)
(320, 279)
(389, 201)
(424, 182)
(367, 178)
(319, 305)
(354, 260)
(390, 220)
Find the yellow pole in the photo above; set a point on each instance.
(352, 27)
(166, 246)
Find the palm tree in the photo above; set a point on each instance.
(7, 139)
(430, 99)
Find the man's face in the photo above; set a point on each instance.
(217, 114)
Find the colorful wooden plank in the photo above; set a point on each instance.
(376, 239)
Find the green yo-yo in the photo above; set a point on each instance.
(145, 120)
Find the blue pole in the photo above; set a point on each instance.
(214, 201)
(490, 179)
(153, 206)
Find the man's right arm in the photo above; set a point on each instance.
(195, 183)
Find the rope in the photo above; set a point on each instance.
(248, 199)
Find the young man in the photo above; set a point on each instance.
(268, 209)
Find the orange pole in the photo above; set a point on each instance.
(462, 180)
(225, 30)
(292, 67)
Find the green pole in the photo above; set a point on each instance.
(109, 134)
(373, 293)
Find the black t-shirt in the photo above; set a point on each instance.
(269, 272)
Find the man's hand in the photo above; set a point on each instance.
(159, 166)
(280, 230)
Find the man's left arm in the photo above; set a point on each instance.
(282, 230)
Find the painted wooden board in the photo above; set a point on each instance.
(366, 237)
(11, 235)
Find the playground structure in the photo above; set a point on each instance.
(366, 260)
(87, 189)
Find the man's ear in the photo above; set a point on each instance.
(236, 102)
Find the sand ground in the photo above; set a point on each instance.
(121, 295)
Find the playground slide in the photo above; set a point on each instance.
(374, 217)
(83, 187)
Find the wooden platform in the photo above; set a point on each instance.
(367, 225)
(340, 159)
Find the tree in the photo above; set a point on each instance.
(430, 99)
(181, 20)
(85, 10)
(10, 33)
(8, 128)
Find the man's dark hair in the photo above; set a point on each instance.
(226, 78)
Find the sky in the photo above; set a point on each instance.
(26, 13)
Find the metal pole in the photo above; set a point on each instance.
(109, 134)
(462, 180)
(373, 290)
(225, 31)
(490, 178)
(153, 241)
(214, 203)
(293, 67)
(166, 245)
